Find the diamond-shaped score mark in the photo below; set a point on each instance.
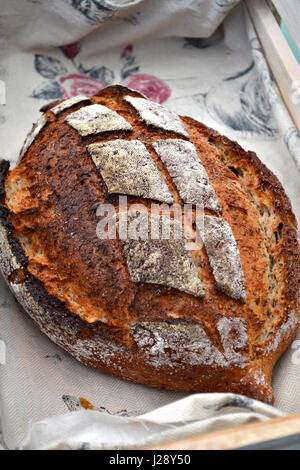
(223, 255)
(95, 119)
(66, 104)
(154, 260)
(187, 172)
(155, 114)
(126, 167)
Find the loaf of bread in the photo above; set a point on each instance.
(208, 307)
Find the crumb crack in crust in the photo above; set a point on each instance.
(96, 118)
(127, 168)
(187, 172)
(154, 114)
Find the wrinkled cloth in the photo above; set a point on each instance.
(200, 58)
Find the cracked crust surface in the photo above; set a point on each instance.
(78, 288)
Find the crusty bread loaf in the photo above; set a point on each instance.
(213, 318)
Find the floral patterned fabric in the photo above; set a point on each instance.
(200, 58)
(88, 81)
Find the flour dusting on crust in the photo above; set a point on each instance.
(66, 104)
(8, 261)
(187, 172)
(160, 261)
(233, 334)
(155, 114)
(284, 330)
(127, 168)
(260, 378)
(95, 118)
(175, 346)
(223, 255)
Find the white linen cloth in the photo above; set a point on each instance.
(200, 58)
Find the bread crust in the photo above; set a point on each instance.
(128, 347)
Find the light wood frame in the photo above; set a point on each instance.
(280, 58)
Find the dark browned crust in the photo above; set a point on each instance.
(4, 220)
(4, 167)
(131, 363)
